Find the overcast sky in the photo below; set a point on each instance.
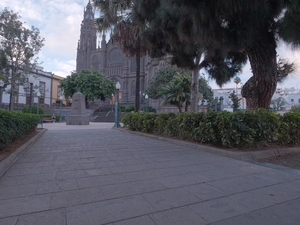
(59, 23)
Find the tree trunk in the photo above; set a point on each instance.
(12, 90)
(259, 89)
(195, 90)
(138, 75)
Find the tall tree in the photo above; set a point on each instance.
(19, 45)
(116, 17)
(163, 76)
(178, 91)
(170, 31)
(242, 28)
(92, 84)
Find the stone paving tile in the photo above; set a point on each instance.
(100, 180)
(7, 192)
(156, 173)
(171, 198)
(27, 179)
(179, 216)
(218, 209)
(75, 197)
(183, 180)
(204, 191)
(286, 213)
(18, 206)
(108, 211)
(242, 183)
(56, 186)
(143, 220)
(23, 171)
(51, 217)
(131, 188)
(9, 221)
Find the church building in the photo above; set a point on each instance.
(109, 59)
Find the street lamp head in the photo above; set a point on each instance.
(31, 79)
(60, 97)
(146, 96)
(1, 83)
(118, 85)
(38, 94)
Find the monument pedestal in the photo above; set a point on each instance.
(78, 120)
(78, 112)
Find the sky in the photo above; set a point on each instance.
(59, 23)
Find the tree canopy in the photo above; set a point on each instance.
(116, 17)
(173, 85)
(226, 33)
(92, 84)
(19, 46)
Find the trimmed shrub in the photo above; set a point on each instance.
(34, 109)
(14, 124)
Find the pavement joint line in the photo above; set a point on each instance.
(6, 163)
(251, 157)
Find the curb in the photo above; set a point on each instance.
(6, 163)
(245, 156)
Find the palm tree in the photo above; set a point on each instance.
(178, 91)
(116, 17)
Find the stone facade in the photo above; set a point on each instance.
(109, 59)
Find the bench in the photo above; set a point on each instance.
(47, 120)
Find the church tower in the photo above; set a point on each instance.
(88, 39)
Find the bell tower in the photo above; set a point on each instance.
(87, 41)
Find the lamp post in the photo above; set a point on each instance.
(112, 102)
(118, 86)
(1, 86)
(31, 81)
(60, 100)
(146, 97)
(38, 108)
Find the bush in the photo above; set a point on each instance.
(227, 129)
(289, 131)
(130, 108)
(34, 109)
(15, 124)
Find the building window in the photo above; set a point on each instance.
(59, 92)
(42, 88)
(292, 100)
(298, 100)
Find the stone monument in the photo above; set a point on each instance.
(78, 112)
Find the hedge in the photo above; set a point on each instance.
(227, 129)
(14, 124)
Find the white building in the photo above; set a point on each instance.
(42, 83)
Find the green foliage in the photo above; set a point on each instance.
(163, 77)
(92, 84)
(178, 91)
(278, 103)
(295, 109)
(234, 130)
(148, 109)
(19, 46)
(289, 132)
(15, 124)
(205, 90)
(235, 101)
(34, 109)
(130, 108)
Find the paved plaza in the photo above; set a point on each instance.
(93, 174)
